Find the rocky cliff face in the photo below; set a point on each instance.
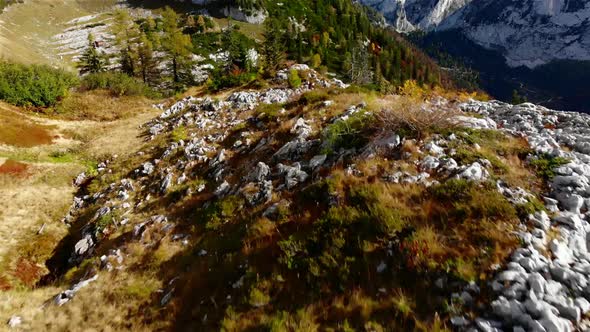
(409, 15)
(529, 33)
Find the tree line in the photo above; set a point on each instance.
(330, 35)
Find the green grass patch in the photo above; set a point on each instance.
(545, 165)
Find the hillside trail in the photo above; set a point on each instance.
(36, 181)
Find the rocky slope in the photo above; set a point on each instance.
(537, 292)
(324, 207)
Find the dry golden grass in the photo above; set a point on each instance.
(99, 105)
(42, 197)
(408, 115)
(18, 130)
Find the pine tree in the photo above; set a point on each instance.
(175, 43)
(92, 61)
(273, 47)
(517, 98)
(360, 69)
(231, 46)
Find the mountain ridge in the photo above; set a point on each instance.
(529, 33)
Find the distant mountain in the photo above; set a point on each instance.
(411, 15)
(541, 48)
(527, 32)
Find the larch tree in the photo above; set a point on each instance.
(126, 33)
(175, 43)
(148, 66)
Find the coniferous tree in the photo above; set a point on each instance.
(231, 45)
(272, 50)
(360, 69)
(92, 60)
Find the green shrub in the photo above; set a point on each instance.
(351, 133)
(472, 200)
(384, 219)
(465, 156)
(453, 189)
(34, 85)
(313, 97)
(294, 79)
(179, 133)
(258, 298)
(215, 214)
(545, 164)
(532, 205)
(269, 112)
(119, 84)
(220, 80)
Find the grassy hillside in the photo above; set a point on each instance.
(28, 29)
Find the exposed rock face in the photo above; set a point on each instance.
(255, 16)
(528, 33)
(409, 15)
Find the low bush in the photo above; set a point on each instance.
(313, 97)
(215, 214)
(545, 165)
(178, 134)
(34, 85)
(269, 112)
(471, 200)
(220, 80)
(119, 84)
(353, 132)
(294, 79)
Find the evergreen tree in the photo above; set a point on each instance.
(360, 69)
(235, 55)
(272, 50)
(92, 61)
(175, 43)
